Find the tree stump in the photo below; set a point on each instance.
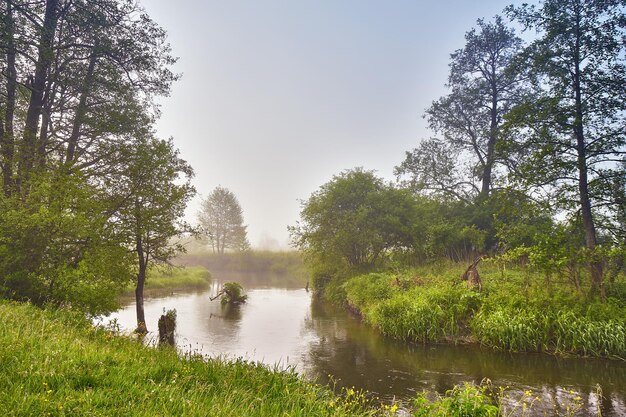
(167, 327)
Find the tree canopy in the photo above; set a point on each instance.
(354, 221)
(84, 180)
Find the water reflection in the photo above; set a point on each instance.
(284, 326)
(356, 355)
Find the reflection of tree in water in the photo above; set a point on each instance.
(230, 313)
(357, 355)
(220, 323)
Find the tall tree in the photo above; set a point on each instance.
(152, 189)
(78, 81)
(85, 73)
(221, 219)
(574, 133)
(463, 162)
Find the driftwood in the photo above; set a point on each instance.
(231, 293)
(471, 275)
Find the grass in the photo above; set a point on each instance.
(176, 277)
(56, 363)
(515, 311)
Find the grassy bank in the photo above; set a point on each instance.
(176, 277)
(516, 311)
(54, 362)
(57, 363)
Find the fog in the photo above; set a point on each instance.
(277, 97)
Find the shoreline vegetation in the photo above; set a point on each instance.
(174, 277)
(55, 362)
(516, 310)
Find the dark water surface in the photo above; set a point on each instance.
(285, 327)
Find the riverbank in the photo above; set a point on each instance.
(515, 311)
(54, 362)
(175, 277)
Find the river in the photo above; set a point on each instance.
(281, 325)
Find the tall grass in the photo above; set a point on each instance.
(560, 332)
(56, 363)
(515, 312)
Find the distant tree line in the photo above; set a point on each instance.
(527, 162)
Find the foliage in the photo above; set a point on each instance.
(572, 133)
(221, 219)
(353, 222)
(152, 189)
(516, 311)
(55, 247)
(81, 172)
(464, 162)
(232, 294)
(466, 400)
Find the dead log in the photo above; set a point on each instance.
(471, 275)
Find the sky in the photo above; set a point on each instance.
(278, 96)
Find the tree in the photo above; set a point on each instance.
(352, 223)
(152, 191)
(77, 87)
(79, 75)
(57, 248)
(574, 132)
(462, 164)
(221, 219)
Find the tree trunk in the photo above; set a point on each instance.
(36, 103)
(7, 137)
(491, 142)
(82, 106)
(583, 179)
(141, 280)
(142, 328)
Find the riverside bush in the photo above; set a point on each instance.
(418, 313)
(465, 400)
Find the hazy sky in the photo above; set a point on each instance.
(278, 96)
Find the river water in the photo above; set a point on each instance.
(283, 326)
